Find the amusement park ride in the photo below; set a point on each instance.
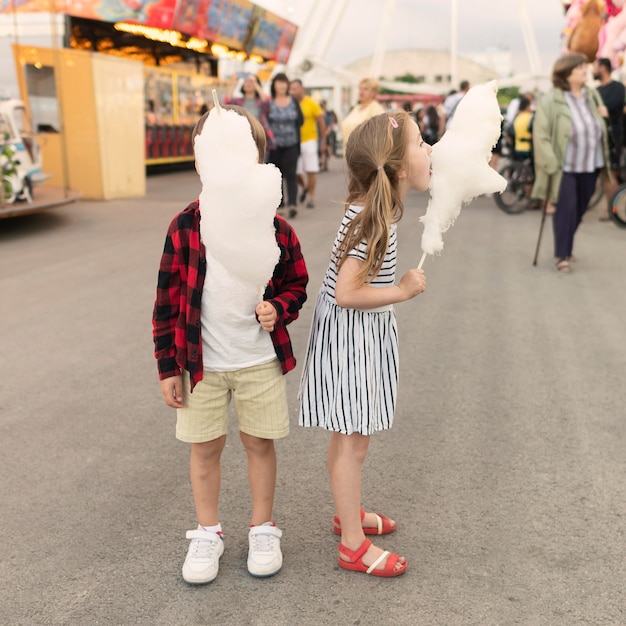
(20, 154)
(321, 22)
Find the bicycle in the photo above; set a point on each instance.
(617, 206)
(520, 177)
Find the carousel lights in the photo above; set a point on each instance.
(173, 37)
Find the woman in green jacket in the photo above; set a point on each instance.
(570, 147)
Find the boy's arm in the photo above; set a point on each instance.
(166, 308)
(288, 286)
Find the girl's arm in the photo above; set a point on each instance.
(351, 294)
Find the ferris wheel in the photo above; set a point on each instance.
(320, 26)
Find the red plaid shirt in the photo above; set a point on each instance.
(176, 317)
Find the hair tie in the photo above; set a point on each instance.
(380, 167)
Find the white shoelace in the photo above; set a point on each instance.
(263, 542)
(203, 549)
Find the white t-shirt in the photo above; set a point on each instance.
(450, 104)
(232, 338)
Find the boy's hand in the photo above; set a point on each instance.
(172, 391)
(267, 315)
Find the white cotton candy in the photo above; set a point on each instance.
(239, 198)
(460, 163)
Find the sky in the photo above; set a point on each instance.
(427, 24)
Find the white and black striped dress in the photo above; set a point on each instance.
(350, 374)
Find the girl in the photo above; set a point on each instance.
(350, 375)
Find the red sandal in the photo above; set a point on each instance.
(355, 563)
(384, 525)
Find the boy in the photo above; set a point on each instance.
(213, 341)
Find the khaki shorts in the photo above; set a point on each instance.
(260, 394)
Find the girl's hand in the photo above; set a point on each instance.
(267, 315)
(413, 283)
(172, 391)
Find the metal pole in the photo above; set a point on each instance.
(331, 27)
(543, 221)
(383, 34)
(532, 52)
(454, 44)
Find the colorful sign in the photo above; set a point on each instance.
(238, 24)
(221, 21)
(270, 36)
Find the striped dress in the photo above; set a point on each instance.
(350, 374)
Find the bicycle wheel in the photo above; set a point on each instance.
(617, 206)
(513, 199)
(597, 194)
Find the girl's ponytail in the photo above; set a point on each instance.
(375, 153)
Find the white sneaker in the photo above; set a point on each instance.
(264, 555)
(203, 557)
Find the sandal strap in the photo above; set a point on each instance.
(379, 522)
(355, 555)
(380, 559)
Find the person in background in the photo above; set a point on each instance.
(328, 149)
(367, 107)
(570, 147)
(284, 119)
(451, 103)
(430, 125)
(252, 99)
(521, 126)
(613, 94)
(308, 163)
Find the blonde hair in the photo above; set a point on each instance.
(258, 132)
(375, 154)
(372, 83)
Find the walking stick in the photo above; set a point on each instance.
(543, 221)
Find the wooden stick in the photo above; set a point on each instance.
(419, 267)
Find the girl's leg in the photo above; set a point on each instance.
(346, 454)
(205, 475)
(261, 475)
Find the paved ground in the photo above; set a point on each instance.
(506, 468)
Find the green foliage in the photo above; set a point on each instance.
(409, 78)
(506, 94)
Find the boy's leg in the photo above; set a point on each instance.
(205, 474)
(261, 475)
(261, 405)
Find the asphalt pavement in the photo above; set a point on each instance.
(505, 468)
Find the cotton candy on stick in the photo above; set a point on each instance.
(239, 198)
(460, 164)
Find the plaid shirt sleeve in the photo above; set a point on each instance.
(287, 290)
(166, 307)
